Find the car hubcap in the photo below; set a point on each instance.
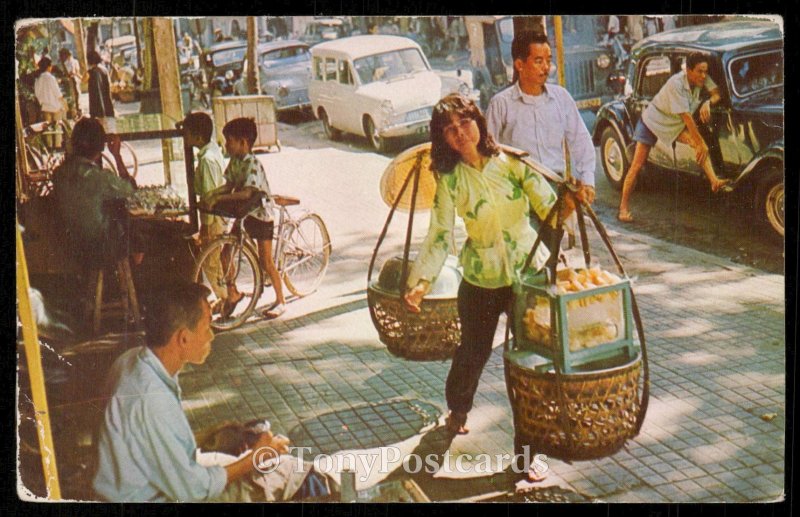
(774, 207)
(613, 161)
(374, 136)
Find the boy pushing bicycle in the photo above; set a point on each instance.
(197, 130)
(244, 176)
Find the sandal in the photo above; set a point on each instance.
(454, 423)
(722, 186)
(625, 217)
(217, 306)
(274, 311)
(229, 306)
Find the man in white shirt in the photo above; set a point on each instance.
(540, 118)
(50, 98)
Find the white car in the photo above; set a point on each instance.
(377, 86)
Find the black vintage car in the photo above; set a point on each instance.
(222, 65)
(745, 135)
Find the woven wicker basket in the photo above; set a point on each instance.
(430, 335)
(602, 406)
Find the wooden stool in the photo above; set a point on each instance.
(127, 305)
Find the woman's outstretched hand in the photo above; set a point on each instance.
(413, 297)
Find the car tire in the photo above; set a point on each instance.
(769, 202)
(377, 142)
(614, 157)
(331, 132)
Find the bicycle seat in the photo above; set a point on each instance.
(238, 209)
(285, 200)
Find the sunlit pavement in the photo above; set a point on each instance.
(715, 333)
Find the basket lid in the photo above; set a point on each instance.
(399, 169)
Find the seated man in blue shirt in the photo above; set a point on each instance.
(146, 449)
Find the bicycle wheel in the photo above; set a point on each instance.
(225, 262)
(306, 253)
(129, 158)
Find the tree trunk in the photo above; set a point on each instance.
(252, 79)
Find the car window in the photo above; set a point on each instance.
(330, 69)
(389, 65)
(506, 28)
(654, 73)
(754, 73)
(318, 68)
(344, 73)
(223, 57)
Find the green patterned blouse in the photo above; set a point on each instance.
(494, 204)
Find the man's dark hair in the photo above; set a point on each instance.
(521, 46)
(44, 63)
(171, 308)
(694, 59)
(443, 157)
(88, 137)
(64, 53)
(199, 123)
(93, 57)
(244, 127)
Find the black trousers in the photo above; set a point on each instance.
(479, 310)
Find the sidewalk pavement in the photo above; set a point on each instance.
(715, 334)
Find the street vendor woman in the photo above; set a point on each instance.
(668, 118)
(491, 191)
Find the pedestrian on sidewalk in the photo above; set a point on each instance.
(100, 104)
(492, 192)
(71, 73)
(197, 131)
(52, 102)
(542, 118)
(244, 176)
(670, 117)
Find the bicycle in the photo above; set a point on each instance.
(44, 159)
(301, 251)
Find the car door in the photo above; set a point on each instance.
(327, 89)
(654, 72)
(346, 88)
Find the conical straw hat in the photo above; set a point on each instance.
(399, 169)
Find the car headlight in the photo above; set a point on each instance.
(463, 89)
(229, 75)
(603, 60)
(386, 107)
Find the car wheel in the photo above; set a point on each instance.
(770, 201)
(614, 157)
(331, 132)
(375, 139)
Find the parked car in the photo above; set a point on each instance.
(746, 141)
(120, 51)
(325, 29)
(377, 86)
(588, 64)
(284, 69)
(222, 64)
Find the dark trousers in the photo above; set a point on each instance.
(479, 310)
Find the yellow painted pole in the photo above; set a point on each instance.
(34, 357)
(558, 28)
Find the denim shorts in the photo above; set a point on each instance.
(644, 135)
